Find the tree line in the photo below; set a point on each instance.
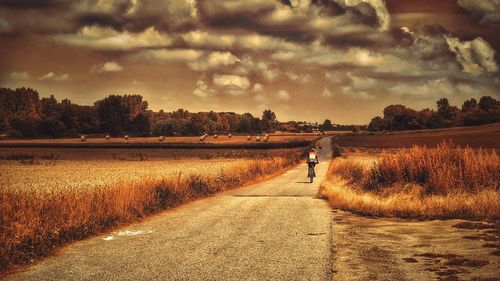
(24, 114)
(398, 117)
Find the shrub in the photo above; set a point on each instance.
(337, 151)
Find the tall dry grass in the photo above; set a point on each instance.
(445, 169)
(33, 224)
(443, 182)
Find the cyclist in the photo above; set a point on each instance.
(312, 160)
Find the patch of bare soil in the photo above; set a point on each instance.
(367, 248)
(490, 236)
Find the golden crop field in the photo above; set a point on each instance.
(50, 197)
(69, 175)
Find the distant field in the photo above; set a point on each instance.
(486, 136)
(210, 140)
(137, 154)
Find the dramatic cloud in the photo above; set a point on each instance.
(106, 38)
(248, 55)
(20, 75)
(442, 87)
(52, 76)
(214, 60)
(202, 90)
(488, 11)
(231, 81)
(111, 66)
(283, 94)
(257, 87)
(170, 55)
(374, 10)
(203, 39)
(476, 56)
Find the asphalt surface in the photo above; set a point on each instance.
(274, 230)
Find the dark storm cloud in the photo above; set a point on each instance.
(486, 11)
(101, 20)
(34, 4)
(300, 23)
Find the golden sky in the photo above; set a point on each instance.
(305, 59)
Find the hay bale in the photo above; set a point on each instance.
(108, 137)
(161, 138)
(249, 137)
(126, 137)
(216, 136)
(257, 138)
(83, 138)
(229, 135)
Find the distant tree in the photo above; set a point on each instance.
(88, 121)
(377, 124)
(51, 127)
(4, 121)
(489, 110)
(245, 125)
(488, 103)
(49, 106)
(116, 113)
(356, 129)
(398, 117)
(269, 121)
(25, 127)
(327, 125)
(449, 115)
(141, 125)
(469, 105)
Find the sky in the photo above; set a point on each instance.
(344, 60)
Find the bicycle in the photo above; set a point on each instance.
(311, 173)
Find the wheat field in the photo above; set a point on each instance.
(73, 176)
(47, 203)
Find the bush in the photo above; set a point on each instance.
(337, 151)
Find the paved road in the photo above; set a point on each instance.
(275, 230)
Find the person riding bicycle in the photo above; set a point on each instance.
(312, 160)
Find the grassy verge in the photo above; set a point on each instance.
(443, 182)
(34, 224)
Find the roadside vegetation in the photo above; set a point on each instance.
(45, 203)
(448, 181)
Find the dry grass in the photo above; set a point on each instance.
(442, 182)
(43, 215)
